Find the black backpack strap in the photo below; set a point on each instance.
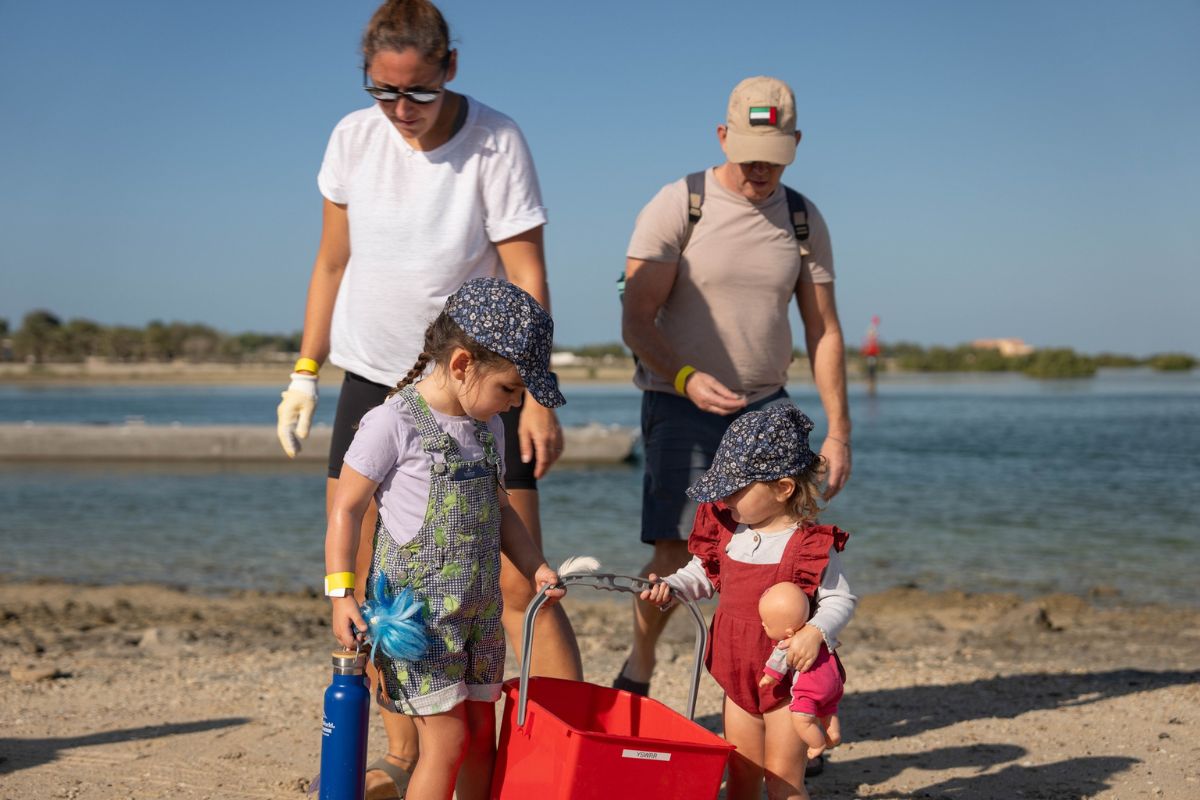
(695, 188)
(798, 211)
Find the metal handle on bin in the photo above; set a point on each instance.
(606, 582)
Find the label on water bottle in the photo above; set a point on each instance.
(326, 726)
(646, 755)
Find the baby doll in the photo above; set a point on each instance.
(783, 609)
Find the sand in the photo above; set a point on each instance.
(152, 692)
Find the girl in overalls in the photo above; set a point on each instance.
(430, 456)
(762, 533)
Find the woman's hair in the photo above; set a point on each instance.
(441, 337)
(803, 503)
(398, 25)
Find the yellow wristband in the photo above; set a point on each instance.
(681, 378)
(306, 365)
(337, 583)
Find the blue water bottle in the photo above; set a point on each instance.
(344, 729)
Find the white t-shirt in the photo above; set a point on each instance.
(387, 449)
(421, 224)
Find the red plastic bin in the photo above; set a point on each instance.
(579, 741)
(582, 741)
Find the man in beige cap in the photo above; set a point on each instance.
(713, 264)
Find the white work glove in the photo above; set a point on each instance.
(296, 412)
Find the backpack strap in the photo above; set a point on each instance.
(798, 211)
(695, 189)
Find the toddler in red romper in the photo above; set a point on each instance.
(755, 528)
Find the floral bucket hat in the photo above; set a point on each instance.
(758, 446)
(505, 319)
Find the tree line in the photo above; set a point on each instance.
(1052, 362)
(43, 337)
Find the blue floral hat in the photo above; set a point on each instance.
(505, 319)
(758, 446)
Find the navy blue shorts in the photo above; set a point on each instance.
(359, 395)
(680, 442)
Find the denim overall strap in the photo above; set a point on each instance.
(433, 438)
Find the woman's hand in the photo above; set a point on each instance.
(803, 647)
(545, 576)
(659, 594)
(347, 618)
(540, 436)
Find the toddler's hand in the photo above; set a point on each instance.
(803, 647)
(659, 594)
(347, 617)
(766, 680)
(545, 576)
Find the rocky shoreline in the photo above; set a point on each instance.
(153, 692)
(136, 442)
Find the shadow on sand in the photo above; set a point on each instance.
(899, 713)
(18, 754)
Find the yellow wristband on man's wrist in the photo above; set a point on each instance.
(306, 365)
(337, 583)
(681, 378)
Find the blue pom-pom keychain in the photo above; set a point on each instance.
(395, 625)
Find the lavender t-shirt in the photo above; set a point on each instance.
(387, 449)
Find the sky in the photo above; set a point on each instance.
(1024, 169)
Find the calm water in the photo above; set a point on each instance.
(979, 483)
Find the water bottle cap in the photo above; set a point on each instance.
(349, 661)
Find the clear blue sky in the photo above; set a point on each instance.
(1024, 169)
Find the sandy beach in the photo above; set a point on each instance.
(146, 691)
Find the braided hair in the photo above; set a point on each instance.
(441, 338)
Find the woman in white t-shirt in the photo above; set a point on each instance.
(423, 191)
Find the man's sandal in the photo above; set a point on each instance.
(399, 775)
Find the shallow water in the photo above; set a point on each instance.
(978, 483)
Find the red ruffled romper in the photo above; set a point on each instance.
(738, 647)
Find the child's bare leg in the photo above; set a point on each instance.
(809, 729)
(443, 742)
(475, 777)
(785, 755)
(747, 733)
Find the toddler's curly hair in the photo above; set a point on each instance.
(804, 503)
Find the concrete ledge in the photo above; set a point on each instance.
(596, 444)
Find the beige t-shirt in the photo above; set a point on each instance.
(727, 313)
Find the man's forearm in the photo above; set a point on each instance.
(827, 356)
(651, 347)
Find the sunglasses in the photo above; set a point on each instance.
(419, 96)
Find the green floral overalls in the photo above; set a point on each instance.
(453, 566)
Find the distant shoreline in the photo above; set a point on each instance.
(99, 372)
(96, 372)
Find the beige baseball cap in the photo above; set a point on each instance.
(761, 122)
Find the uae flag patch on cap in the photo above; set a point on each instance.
(764, 115)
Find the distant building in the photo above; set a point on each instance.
(562, 358)
(1007, 347)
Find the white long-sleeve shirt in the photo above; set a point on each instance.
(835, 602)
